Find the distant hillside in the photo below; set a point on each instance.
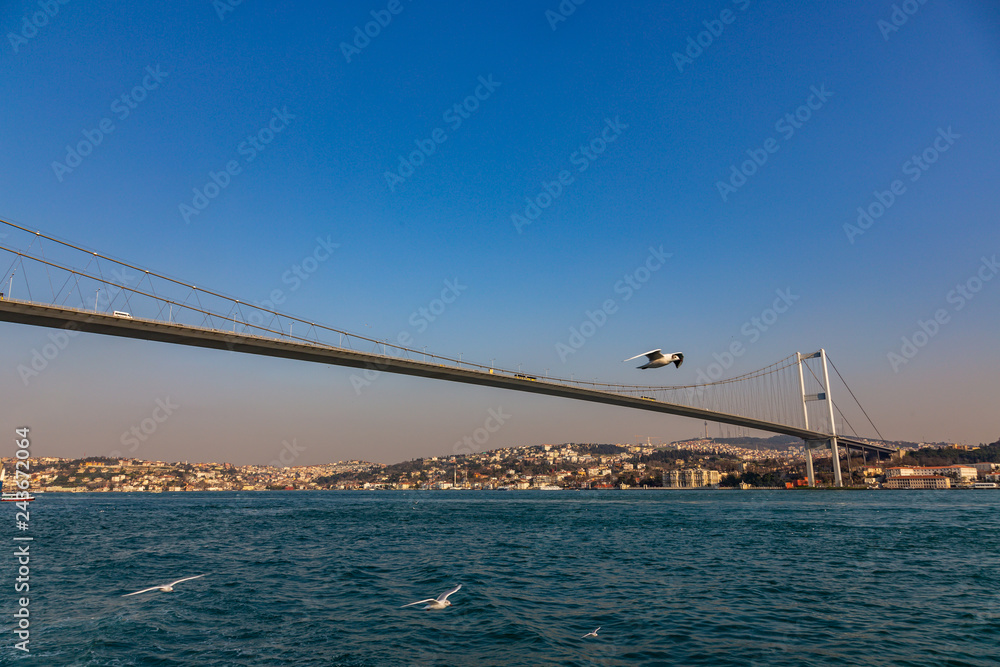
(941, 456)
(779, 442)
(774, 442)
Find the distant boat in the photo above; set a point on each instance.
(11, 497)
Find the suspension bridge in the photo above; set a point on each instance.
(49, 283)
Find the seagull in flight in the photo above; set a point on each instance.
(436, 603)
(169, 588)
(657, 359)
(591, 634)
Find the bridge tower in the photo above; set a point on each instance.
(824, 395)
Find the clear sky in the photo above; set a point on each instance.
(740, 138)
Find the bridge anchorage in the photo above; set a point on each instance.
(71, 287)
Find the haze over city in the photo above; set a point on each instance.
(543, 190)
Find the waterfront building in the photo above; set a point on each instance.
(918, 482)
(962, 473)
(691, 478)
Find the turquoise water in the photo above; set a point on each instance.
(672, 578)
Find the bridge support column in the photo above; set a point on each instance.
(809, 466)
(835, 451)
(837, 481)
(811, 445)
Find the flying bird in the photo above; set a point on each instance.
(168, 588)
(657, 359)
(591, 634)
(435, 603)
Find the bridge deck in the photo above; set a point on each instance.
(178, 334)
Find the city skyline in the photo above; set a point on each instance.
(485, 183)
(700, 463)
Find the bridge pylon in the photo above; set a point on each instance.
(820, 396)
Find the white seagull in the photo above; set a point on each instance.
(657, 359)
(436, 603)
(169, 588)
(591, 634)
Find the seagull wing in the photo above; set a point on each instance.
(418, 602)
(185, 579)
(444, 596)
(144, 590)
(652, 354)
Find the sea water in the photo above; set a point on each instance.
(671, 577)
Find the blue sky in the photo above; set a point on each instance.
(886, 95)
